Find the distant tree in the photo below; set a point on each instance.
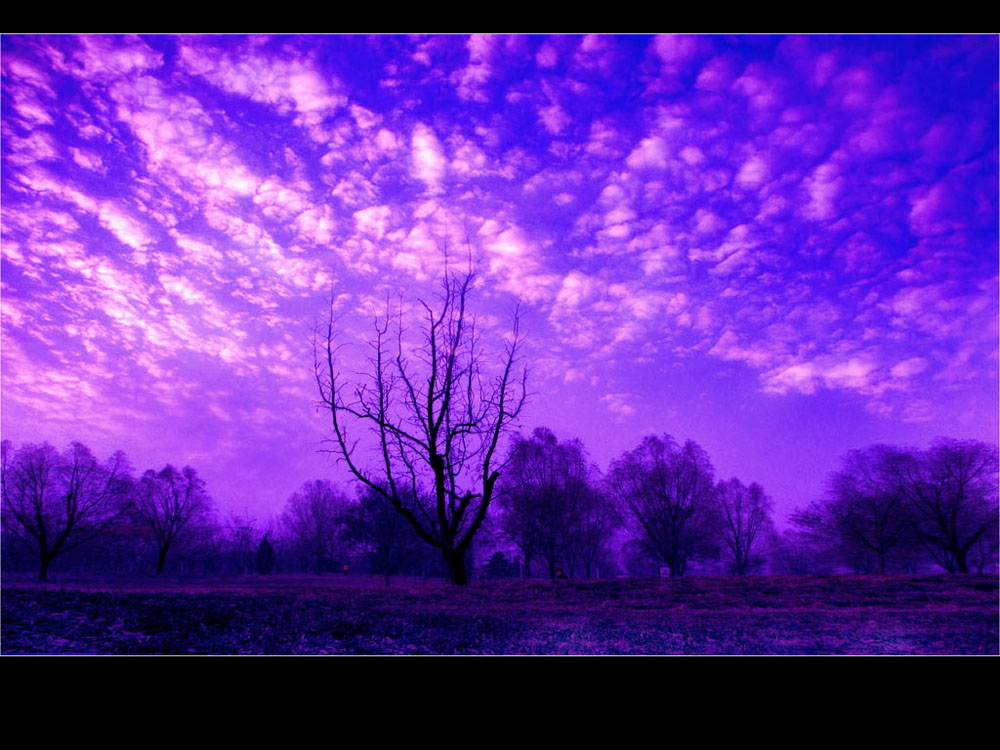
(544, 495)
(436, 408)
(951, 488)
(983, 555)
(800, 552)
(744, 516)
(170, 504)
(242, 540)
(517, 520)
(54, 502)
(596, 520)
(201, 548)
(865, 510)
(667, 490)
(498, 566)
(380, 531)
(315, 517)
(638, 561)
(264, 563)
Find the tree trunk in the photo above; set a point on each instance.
(961, 561)
(386, 575)
(676, 566)
(161, 560)
(456, 568)
(43, 569)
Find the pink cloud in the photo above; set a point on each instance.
(104, 58)
(428, 158)
(290, 86)
(909, 367)
(716, 75)
(754, 173)
(547, 56)
(373, 220)
(651, 153)
(617, 404)
(824, 186)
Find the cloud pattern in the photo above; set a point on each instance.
(818, 214)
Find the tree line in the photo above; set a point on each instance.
(658, 509)
(887, 507)
(97, 515)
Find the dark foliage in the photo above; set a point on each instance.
(498, 566)
(667, 491)
(265, 557)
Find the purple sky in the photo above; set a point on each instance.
(782, 248)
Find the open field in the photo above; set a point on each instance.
(357, 615)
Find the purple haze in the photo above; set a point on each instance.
(782, 248)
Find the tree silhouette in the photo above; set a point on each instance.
(167, 502)
(379, 530)
(667, 490)
(498, 566)
(865, 510)
(53, 502)
(435, 413)
(316, 517)
(550, 502)
(744, 516)
(952, 491)
(264, 563)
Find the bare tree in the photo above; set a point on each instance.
(435, 413)
(800, 552)
(518, 521)
(596, 520)
(952, 490)
(315, 517)
(667, 490)
(983, 554)
(242, 539)
(55, 502)
(543, 494)
(168, 502)
(744, 514)
(865, 511)
(383, 533)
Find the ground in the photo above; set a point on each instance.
(356, 615)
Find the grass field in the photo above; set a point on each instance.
(358, 615)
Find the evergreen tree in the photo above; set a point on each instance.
(265, 557)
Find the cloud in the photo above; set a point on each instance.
(471, 81)
(429, 162)
(617, 404)
(290, 86)
(547, 56)
(105, 58)
(754, 172)
(651, 153)
(909, 367)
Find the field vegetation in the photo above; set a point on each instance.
(850, 614)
